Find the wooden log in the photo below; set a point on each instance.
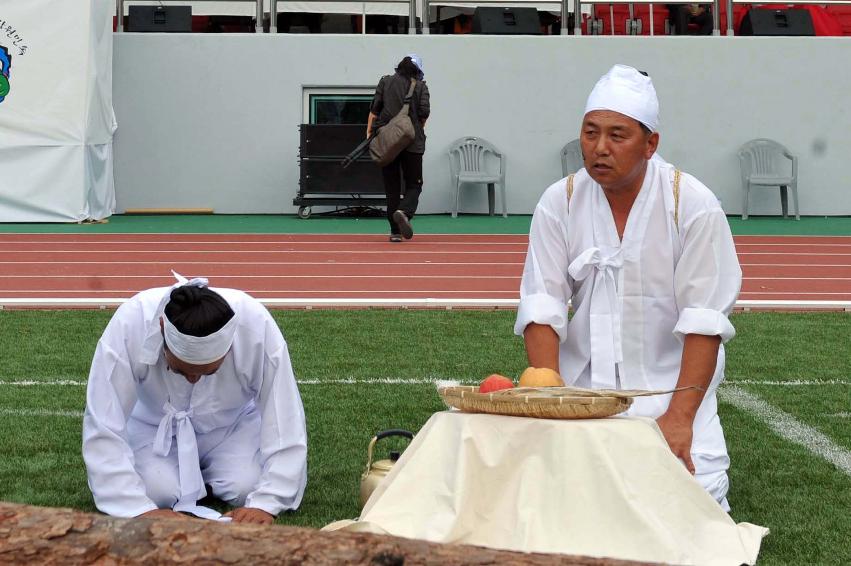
(45, 535)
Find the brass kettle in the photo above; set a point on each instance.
(376, 471)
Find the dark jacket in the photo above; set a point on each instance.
(389, 98)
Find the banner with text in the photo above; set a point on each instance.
(56, 115)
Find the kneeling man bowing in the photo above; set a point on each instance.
(193, 387)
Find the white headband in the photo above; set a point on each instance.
(198, 350)
(626, 91)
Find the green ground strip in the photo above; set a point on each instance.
(775, 483)
(826, 408)
(790, 346)
(780, 485)
(425, 224)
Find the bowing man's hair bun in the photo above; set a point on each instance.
(197, 311)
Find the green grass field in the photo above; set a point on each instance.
(799, 364)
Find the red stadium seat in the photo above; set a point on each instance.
(842, 13)
(621, 13)
(660, 14)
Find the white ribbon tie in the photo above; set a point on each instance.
(604, 309)
(188, 464)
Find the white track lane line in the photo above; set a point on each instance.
(788, 427)
(360, 250)
(506, 239)
(486, 276)
(334, 262)
(337, 262)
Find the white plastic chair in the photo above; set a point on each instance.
(571, 158)
(762, 166)
(468, 164)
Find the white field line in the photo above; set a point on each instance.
(429, 381)
(40, 413)
(789, 383)
(843, 415)
(788, 427)
(308, 381)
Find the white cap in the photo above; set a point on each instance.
(629, 92)
(416, 60)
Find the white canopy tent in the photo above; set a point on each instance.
(56, 121)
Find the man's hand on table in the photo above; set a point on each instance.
(677, 429)
(250, 515)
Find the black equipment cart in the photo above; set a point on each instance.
(323, 180)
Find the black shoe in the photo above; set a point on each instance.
(395, 238)
(404, 224)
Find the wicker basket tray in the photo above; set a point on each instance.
(542, 402)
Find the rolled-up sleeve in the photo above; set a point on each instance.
(707, 278)
(545, 288)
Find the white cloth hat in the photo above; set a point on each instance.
(416, 60)
(627, 91)
(197, 350)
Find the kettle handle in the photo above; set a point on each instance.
(394, 432)
(384, 434)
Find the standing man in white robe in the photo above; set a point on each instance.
(646, 257)
(192, 386)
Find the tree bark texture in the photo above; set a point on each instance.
(44, 535)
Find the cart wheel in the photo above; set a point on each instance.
(304, 212)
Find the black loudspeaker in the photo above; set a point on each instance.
(324, 176)
(330, 140)
(160, 18)
(493, 20)
(777, 22)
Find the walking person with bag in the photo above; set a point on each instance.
(393, 93)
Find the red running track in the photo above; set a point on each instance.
(289, 266)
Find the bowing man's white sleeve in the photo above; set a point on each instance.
(110, 396)
(707, 278)
(283, 438)
(545, 289)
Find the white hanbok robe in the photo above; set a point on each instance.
(150, 435)
(634, 300)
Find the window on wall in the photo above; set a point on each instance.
(337, 105)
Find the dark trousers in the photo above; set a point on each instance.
(410, 167)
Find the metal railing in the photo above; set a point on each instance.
(412, 12)
(716, 15)
(564, 10)
(119, 8)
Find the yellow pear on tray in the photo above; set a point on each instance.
(540, 377)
